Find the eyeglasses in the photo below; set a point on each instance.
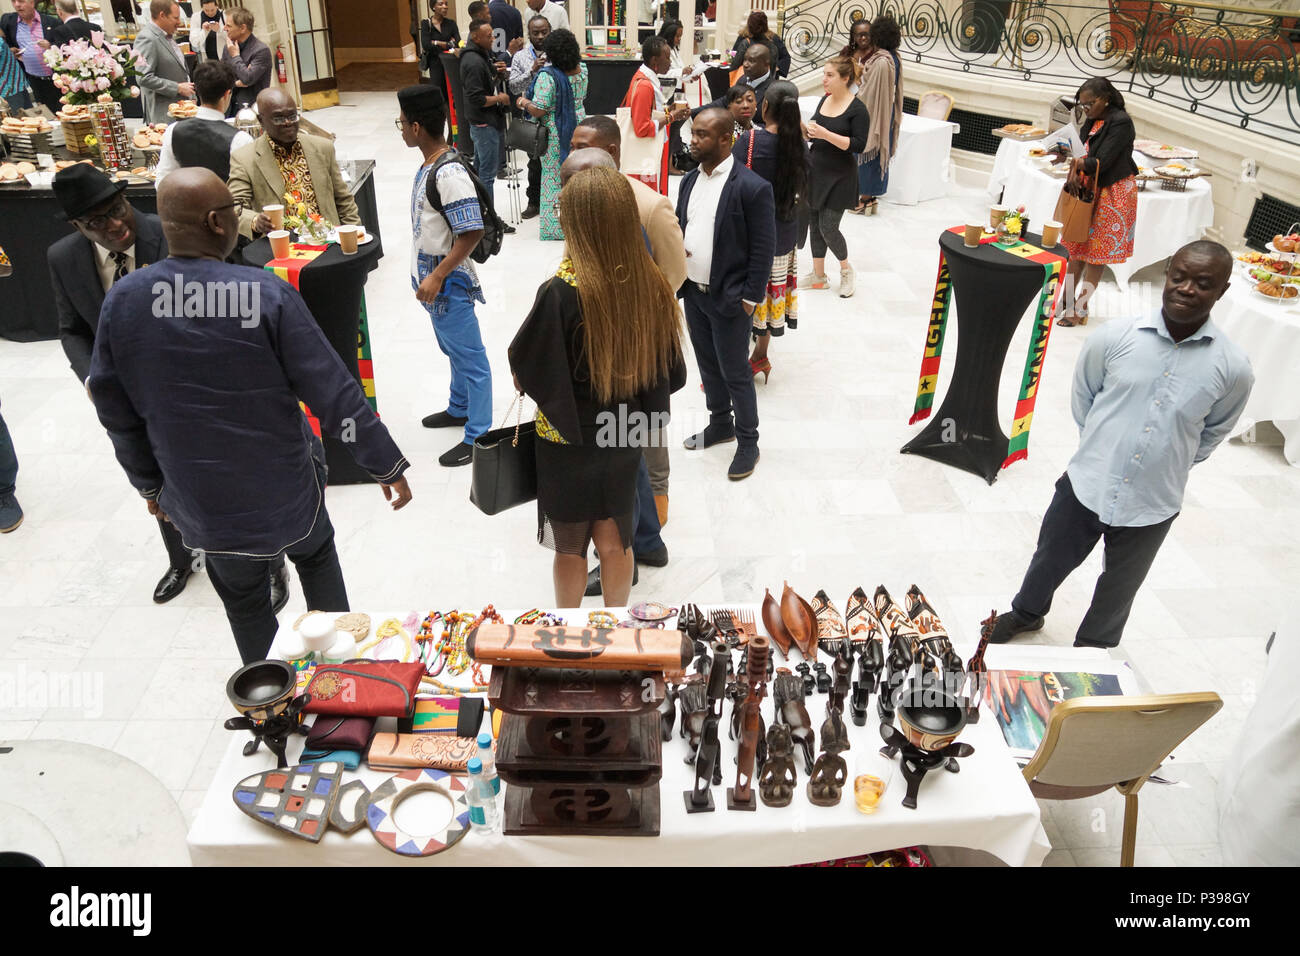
(400, 123)
(283, 119)
(236, 205)
(116, 212)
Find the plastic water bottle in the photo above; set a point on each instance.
(489, 762)
(482, 802)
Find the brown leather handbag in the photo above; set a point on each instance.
(1074, 209)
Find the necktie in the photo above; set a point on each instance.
(119, 265)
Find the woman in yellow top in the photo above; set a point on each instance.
(600, 353)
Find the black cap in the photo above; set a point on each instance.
(416, 99)
(82, 187)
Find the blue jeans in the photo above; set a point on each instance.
(8, 461)
(645, 539)
(487, 155)
(455, 326)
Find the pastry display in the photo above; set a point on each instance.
(1287, 243)
(25, 126)
(183, 110)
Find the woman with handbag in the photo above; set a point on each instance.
(600, 353)
(556, 99)
(438, 34)
(644, 117)
(776, 151)
(1107, 169)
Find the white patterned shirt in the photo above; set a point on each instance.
(433, 233)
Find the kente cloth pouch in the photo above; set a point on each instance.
(461, 716)
(330, 732)
(439, 751)
(364, 689)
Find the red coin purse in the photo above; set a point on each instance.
(364, 689)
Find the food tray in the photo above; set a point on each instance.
(1029, 137)
(29, 145)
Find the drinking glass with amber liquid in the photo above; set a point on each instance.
(871, 776)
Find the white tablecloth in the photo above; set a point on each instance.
(1269, 332)
(1166, 221)
(986, 806)
(919, 170)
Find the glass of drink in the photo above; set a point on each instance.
(871, 775)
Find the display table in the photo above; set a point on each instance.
(1166, 221)
(994, 286)
(1269, 332)
(333, 286)
(986, 806)
(31, 220)
(919, 168)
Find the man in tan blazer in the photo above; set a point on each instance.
(262, 173)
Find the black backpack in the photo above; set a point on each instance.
(494, 227)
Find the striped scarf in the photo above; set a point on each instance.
(12, 78)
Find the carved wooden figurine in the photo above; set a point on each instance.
(830, 626)
(668, 711)
(693, 697)
(741, 796)
(823, 678)
(777, 780)
(775, 626)
(830, 773)
(708, 763)
(788, 690)
(870, 661)
(805, 675)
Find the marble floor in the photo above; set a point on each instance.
(832, 505)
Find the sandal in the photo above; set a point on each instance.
(1070, 321)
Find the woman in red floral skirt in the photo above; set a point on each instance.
(1107, 163)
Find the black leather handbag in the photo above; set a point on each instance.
(528, 136)
(505, 465)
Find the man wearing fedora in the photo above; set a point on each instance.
(112, 241)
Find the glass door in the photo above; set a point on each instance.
(314, 51)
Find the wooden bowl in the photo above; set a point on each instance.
(262, 690)
(929, 719)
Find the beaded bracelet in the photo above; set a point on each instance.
(454, 691)
(602, 620)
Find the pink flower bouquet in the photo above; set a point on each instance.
(95, 71)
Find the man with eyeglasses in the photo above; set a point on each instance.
(285, 160)
(203, 410)
(112, 241)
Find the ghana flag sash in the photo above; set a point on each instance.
(290, 270)
(1044, 315)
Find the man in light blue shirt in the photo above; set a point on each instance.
(1152, 397)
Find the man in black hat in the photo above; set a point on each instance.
(112, 241)
(198, 370)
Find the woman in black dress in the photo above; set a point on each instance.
(838, 131)
(776, 151)
(600, 352)
(438, 34)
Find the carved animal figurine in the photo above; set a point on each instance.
(738, 691)
(830, 773)
(776, 781)
(805, 674)
(870, 661)
(840, 686)
(775, 626)
(897, 666)
(708, 765)
(788, 692)
(693, 697)
(741, 796)
(823, 678)
(668, 711)
(976, 671)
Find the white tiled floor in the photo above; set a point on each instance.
(832, 505)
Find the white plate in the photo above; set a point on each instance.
(1289, 256)
(366, 241)
(1173, 173)
(1294, 300)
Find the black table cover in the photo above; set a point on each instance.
(332, 286)
(993, 289)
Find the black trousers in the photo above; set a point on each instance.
(721, 343)
(1068, 535)
(244, 586)
(534, 193)
(178, 556)
(46, 92)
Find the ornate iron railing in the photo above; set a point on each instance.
(1237, 65)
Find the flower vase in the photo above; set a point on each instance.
(110, 129)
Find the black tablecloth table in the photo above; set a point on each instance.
(31, 220)
(333, 287)
(993, 288)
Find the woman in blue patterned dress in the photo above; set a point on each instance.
(556, 98)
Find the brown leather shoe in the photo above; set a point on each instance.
(661, 506)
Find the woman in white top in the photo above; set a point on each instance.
(208, 31)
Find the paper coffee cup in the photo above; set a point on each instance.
(973, 232)
(276, 214)
(185, 48)
(1051, 232)
(348, 239)
(996, 215)
(279, 243)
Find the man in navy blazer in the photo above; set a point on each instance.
(728, 221)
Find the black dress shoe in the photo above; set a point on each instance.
(1008, 626)
(442, 420)
(530, 211)
(509, 230)
(461, 454)
(593, 581)
(712, 435)
(279, 589)
(172, 584)
(742, 465)
(653, 559)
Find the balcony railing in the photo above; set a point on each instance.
(1236, 65)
